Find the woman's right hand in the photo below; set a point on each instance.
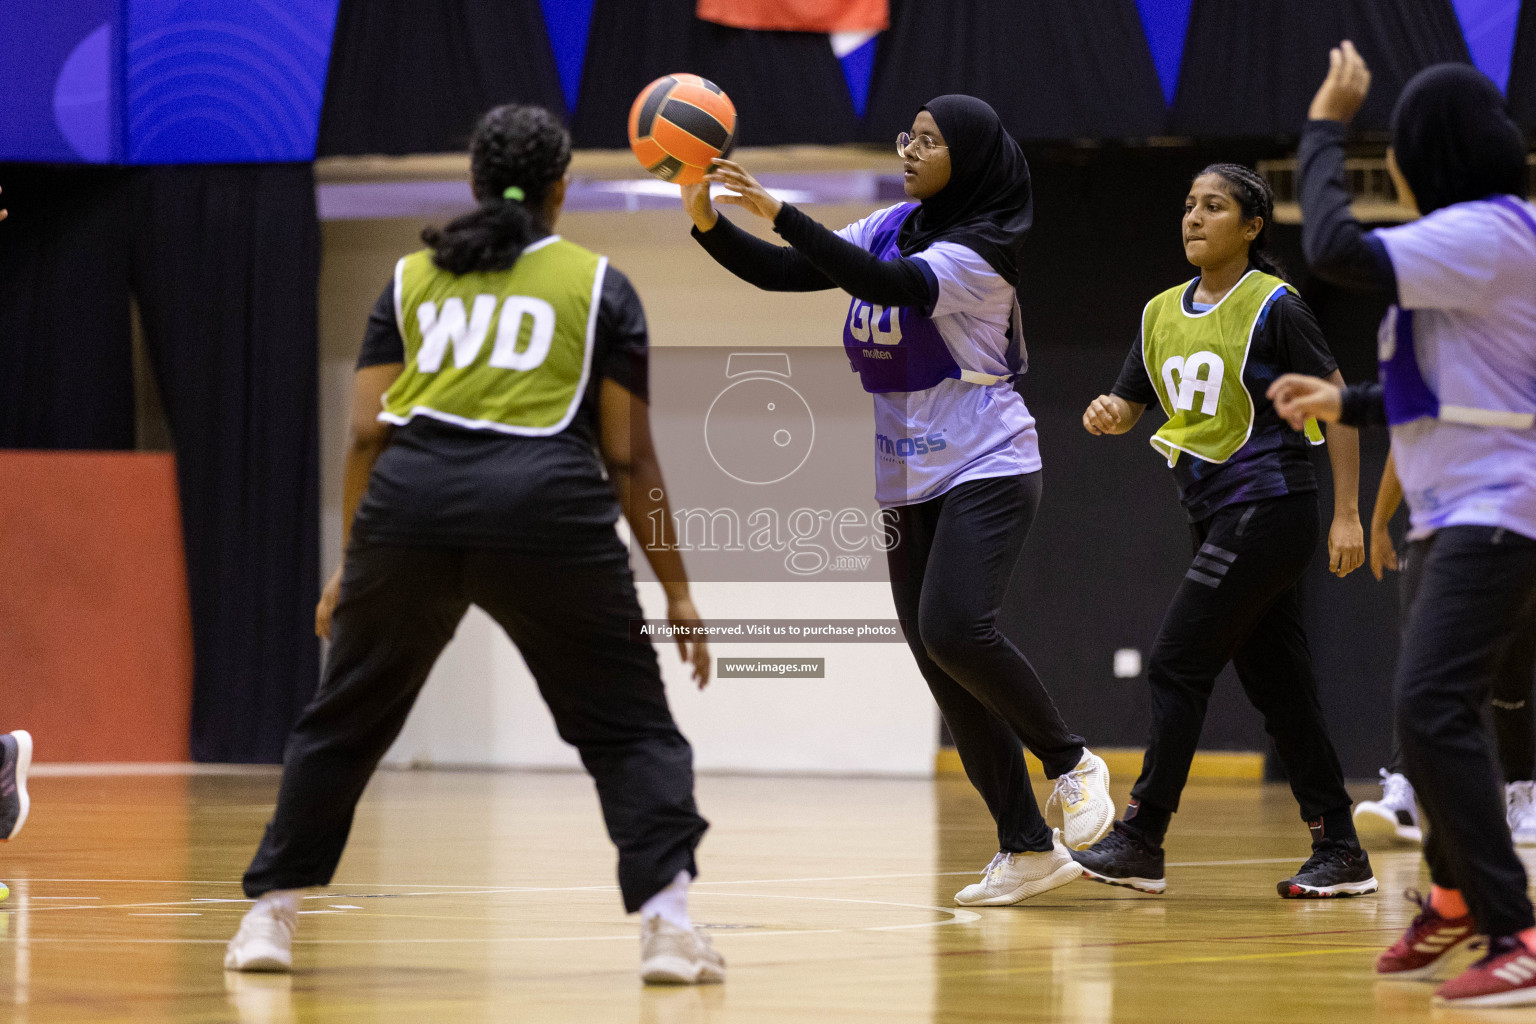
(1106, 414)
(327, 605)
(697, 203)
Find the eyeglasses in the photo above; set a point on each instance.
(923, 146)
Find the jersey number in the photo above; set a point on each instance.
(864, 323)
(1200, 374)
(450, 326)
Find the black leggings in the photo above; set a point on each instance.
(950, 568)
(399, 608)
(1477, 590)
(1239, 602)
(1514, 724)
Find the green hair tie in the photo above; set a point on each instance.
(513, 192)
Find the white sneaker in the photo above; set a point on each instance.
(670, 955)
(1086, 810)
(1520, 809)
(1015, 877)
(265, 939)
(1394, 816)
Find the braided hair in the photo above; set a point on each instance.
(515, 156)
(1254, 198)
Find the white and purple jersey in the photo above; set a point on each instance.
(1458, 357)
(946, 430)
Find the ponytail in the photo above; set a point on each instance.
(517, 154)
(1254, 198)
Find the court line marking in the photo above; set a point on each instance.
(954, 915)
(1165, 961)
(596, 888)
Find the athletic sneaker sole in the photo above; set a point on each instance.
(23, 765)
(259, 965)
(1291, 891)
(1516, 997)
(1068, 872)
(1375, 825)
(1430, 971)
(669, 970)
(1150, 886)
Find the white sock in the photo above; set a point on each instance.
(289, 900)
(671, 904)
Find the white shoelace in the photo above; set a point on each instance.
(1069, 790)
(999, 863)
(1396, 790)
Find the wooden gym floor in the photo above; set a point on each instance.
(482, 896)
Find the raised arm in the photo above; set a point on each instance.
(773, 268)
(898, 282)
(1337, 247)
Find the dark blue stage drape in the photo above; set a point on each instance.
(224, 262)
(404, 82)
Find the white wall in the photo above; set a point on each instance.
(870, 715)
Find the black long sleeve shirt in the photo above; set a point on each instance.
(1337, 246)
(818, 259)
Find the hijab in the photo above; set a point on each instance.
(987, 204)
(1454, 139)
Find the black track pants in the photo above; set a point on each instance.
(1510, 708)
(1477, 589)
(399, 607)
(1239, 602)
(950, 568)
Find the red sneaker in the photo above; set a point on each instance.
(1426, 941)
(1505, 977)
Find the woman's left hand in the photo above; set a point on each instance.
(750, 195)
(1343, 91)
(1299, 398)
(1346, 545)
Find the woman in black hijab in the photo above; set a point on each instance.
(1458, 372)
(933, 332)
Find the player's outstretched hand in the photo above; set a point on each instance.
(3, 213)
(1299, 398)
(698, 206)
(695, 652)
(749, 195)
(1342, 92)
(1106, 415)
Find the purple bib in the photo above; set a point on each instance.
(895, 349)
(1403, 388)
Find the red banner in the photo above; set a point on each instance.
(799, 15)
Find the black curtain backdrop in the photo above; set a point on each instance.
(1522, 72)
(1052, 70)
(226, 270)
(404, 81)
(224, 262)
(66, 356)
(410, 77)
(787, 86)
(1250, 68)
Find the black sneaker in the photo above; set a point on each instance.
(1336, 868)
(15, 759)
(1124, 858)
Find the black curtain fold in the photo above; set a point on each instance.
(225, 264)
(1051, 70)
(226, 267)
(788, 87)
(1251, 68)
(408, 77)
(66, 353)
(1522, 71)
